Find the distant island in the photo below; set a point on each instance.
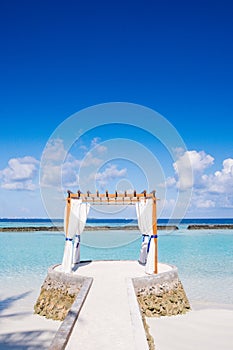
(53, 228)
(87, 228)
(210, 227)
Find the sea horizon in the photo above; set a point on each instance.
(112, 222)
(115, 219)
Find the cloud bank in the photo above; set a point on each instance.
(210, 190)
(20, 174)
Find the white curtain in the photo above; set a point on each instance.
(144, 210)
(144, 215)
(143, 251)
(72, 223)
(150, 263)
(82, 215)
(76, 251)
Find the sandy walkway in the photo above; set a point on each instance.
(105, 320)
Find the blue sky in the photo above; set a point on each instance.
(58, 57)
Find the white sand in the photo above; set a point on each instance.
(206, 327)
(19, 328)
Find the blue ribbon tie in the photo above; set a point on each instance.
(148, 245)
(143, 237)
(69, 239)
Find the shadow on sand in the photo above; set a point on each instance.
(81, 263)
(32, 340)
(8, 302)
(22, 340)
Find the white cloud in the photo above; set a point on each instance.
(83, 148)
(54, 151)
(74, 170)
(199, 160)
(228, 166)
(210, 190)
(19, 186)
(70, 172)
(109, 174)
(95, 143)
(51, 176)
(221, 181)
(57, 166)
(189, 166)
(214, 190)
(90, 160)
(52, 159)
(19, 174)
(204, 203)
(169, 182)
(94, 146)
(67, 173)
(61, 166)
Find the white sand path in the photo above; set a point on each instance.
(105, 320)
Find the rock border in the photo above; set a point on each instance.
(62, 336)
(162, 294)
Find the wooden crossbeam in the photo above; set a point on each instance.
(111, 198)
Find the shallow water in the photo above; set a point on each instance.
(204, 258)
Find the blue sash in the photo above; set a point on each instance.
(148, 246)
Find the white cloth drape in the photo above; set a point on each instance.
(144, 216)
(143, 251)
(76, 251)
(144, 210)
(82, 215)
(150, 263)
(76, 222)
(67, 256)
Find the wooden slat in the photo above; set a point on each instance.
(106, 197)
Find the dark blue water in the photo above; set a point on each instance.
(7, 222)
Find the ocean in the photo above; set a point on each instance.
(204, 257)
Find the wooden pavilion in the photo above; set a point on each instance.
(147, 222)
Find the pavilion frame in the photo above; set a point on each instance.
(118, 199)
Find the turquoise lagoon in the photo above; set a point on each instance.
(204, 257)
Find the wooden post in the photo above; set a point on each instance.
(154, 221)
(68, 207)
